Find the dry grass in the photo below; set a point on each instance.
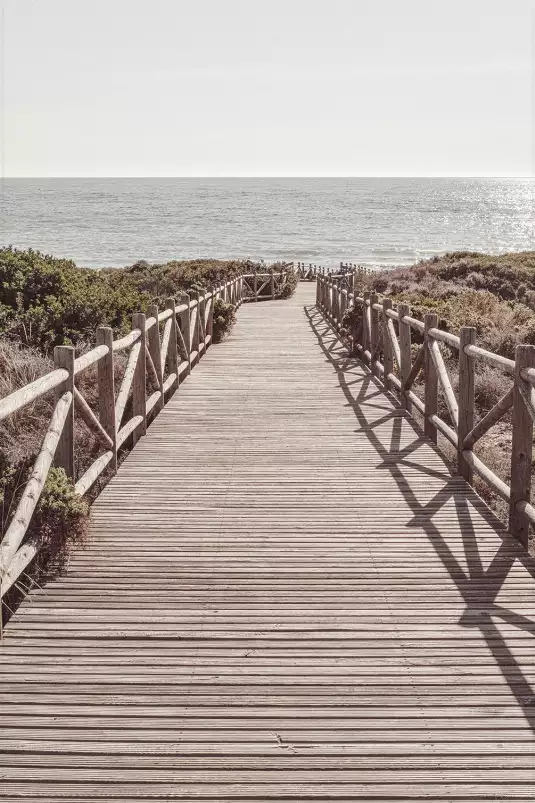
(496, 295)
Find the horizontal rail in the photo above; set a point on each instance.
(497, 361)
(32, 492)
(90, 358)
(30, 393)
(94, 471)
(127, 341)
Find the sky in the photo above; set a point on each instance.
(258, 88)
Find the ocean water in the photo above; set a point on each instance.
(373, 221)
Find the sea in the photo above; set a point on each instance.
(378, 222)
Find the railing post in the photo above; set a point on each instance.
(255, 285)
(272, 284)
(355, 332)
(374, 344)
(202, 315)
(210, 321)
(139, 395)
(341, 308)
(155, 352)
(405, 352)
(172, 351)
(185, 326)
(388, 353)
(194, 326)
(431, 379)
(467, 372)
(522, 447)
(64, 457)
(318, 292)
(338, 306)
(334, 310)
(106, 389)
(365, 332)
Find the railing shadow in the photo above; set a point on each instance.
(478, 586)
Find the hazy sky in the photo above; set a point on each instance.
(267, 87)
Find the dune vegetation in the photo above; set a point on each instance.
(494, 294)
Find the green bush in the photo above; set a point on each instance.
(289, 286)
(224, 319)
(495, 294)
(60, 518)
(46, 301)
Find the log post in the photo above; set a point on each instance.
(202, 316)
(388, 353)
(155, 352)
(184, 324)
(106, 389)
(374, 344)
(522, 447)
(405, 352)
(272, 284)
(342, 308)
(210, 321)
(431, 379)
(173, 360)
(467, 372)
(255, 285)
(64, 457)
(194, 325)
(139, 395)
(365, 331)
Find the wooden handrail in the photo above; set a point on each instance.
(397, 372)
(167, 353)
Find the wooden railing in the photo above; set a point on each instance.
(345, 273)
(382, 338)
(308, 273)
(163, 347)
(265, 286)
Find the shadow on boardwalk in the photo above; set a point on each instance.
(479, 587)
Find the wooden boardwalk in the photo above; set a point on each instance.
(286, 596)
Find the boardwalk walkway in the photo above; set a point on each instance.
(286, 596)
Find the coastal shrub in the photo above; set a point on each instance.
(289, 286)
(494, 294)
(60, 517)
(46, 301)
(224, 320)
(160, 281)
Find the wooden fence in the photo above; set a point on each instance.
(163, 347)
(308, 273)
(383, 340)
(345, 273)
(265, 286)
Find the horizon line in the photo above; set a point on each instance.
(283, 176)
